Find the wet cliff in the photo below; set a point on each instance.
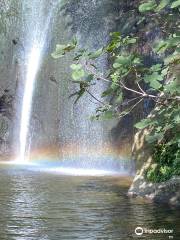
(55, 120)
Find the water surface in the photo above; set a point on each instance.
(37, 205)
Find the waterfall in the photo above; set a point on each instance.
(33, 64)
(49, 125)
(37, 20)
(80, 138)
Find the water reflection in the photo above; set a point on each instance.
(43, 206)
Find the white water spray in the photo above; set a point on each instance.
(33, 65)
(38, 24)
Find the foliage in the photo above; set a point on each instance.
(147, 6)
(128, 73)
(61, 50)
(167, 163)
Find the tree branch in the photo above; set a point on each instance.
(122, 85)
(132, 108)
(140, 88)
(95, 97)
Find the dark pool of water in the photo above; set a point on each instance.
(45, 206)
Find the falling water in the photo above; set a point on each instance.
(37, 23)
(33, 64)
(48, 118)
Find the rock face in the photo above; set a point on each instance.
(55, 119)
(167, 192)
(90, 22)
(9, 42)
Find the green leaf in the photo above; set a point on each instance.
(136, 61)
(78, 74)
(156, 67)
(116, 65)
(148, 6)
(107, 115)
(131, 40)
(69, 47)
(162, 4)
(119, 99)
(143, 123)
(112, 46)
(164, 72)
(173, 41)
(155, 84)
(114, 86)
(59, 52)
(161, 46)
(154, 138)
(128, 40)
(115, 35)
(154, 77)
(76, 66)
(74, 41)
(175, 4)
(123, 60)
(61, 49)
(107, 92)
(175, 58)
(173, 87)
(96, 54)
(177, 118)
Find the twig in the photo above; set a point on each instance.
(95, 97)
(136, 104)
(93, 102)
(137, 82)
(131, 100)
(140, 88)
(132, 90)
(121, 84)
(133, 107)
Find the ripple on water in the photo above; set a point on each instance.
(41, 205)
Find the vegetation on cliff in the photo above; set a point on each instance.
(132, 81)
